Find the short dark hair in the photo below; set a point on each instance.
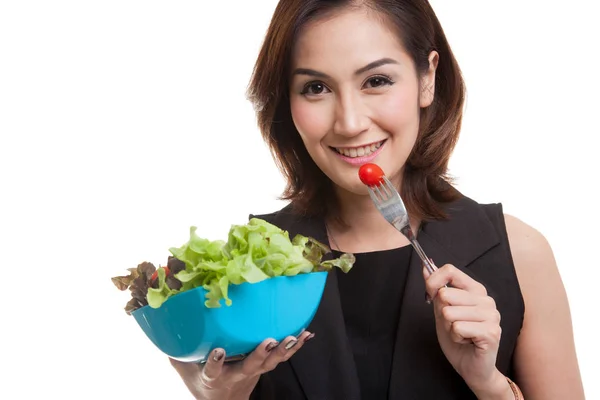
(426, 184)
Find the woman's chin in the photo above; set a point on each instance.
(355, 188)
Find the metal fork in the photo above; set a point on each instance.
(390, 205)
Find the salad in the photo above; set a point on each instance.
(252, 253)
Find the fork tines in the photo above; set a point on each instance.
(384, 191)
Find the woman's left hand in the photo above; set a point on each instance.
(468, 328)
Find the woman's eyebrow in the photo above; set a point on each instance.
(370, 66)
(375, 64)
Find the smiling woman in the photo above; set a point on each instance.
(397, 76)
(339, 84)
(368, 93)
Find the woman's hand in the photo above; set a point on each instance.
(231, 381)
(468, 329)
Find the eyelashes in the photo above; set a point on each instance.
(317, 88)
(314, 88)
(380, 80)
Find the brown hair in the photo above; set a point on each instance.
(426, 185)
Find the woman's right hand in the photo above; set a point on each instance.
(232, 381)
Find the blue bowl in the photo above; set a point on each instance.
(185, 329)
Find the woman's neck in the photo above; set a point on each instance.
(365, 228)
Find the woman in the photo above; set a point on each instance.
(339, 83)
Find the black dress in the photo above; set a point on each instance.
(371, 295)
(473, 238)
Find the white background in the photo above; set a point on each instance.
(124, 122)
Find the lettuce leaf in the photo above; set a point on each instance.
(252, 253)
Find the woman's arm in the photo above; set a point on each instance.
(545, 359)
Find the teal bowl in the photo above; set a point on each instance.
(183, 328)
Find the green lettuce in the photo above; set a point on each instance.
(253, 252)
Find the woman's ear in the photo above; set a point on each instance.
(428, 81)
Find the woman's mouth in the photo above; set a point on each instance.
(361, 151)
(360, 154)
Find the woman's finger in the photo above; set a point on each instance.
(302, 339)
(460, 297)
(469, 313)
(286, 349)
(213, 366)
(254, 362)
(452, 276)
(453, 304)
(456, 297)
(484, 335)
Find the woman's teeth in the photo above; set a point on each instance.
(359, 151)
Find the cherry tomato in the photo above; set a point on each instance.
(155, 274)
(370, 174)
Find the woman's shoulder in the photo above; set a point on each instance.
(526, 242)
(282, 216)
(529, 247)
(532, 254)
(525, 239)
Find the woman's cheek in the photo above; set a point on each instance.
(311, 119)
(397, 111)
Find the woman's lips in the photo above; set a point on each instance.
(361, 159)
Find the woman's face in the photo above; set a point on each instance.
(355, 96)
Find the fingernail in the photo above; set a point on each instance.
(271, 346)
(312, 335)
(291, 344)
(235, 358)
(218, 355)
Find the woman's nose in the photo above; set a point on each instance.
(351, 118)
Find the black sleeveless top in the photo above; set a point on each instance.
(371, 295)
(337, 363)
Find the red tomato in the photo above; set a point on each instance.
(370, 174)
(155, 274)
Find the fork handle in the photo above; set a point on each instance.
(428, 264)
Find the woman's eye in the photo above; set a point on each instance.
(314, 88)
(378, 81)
